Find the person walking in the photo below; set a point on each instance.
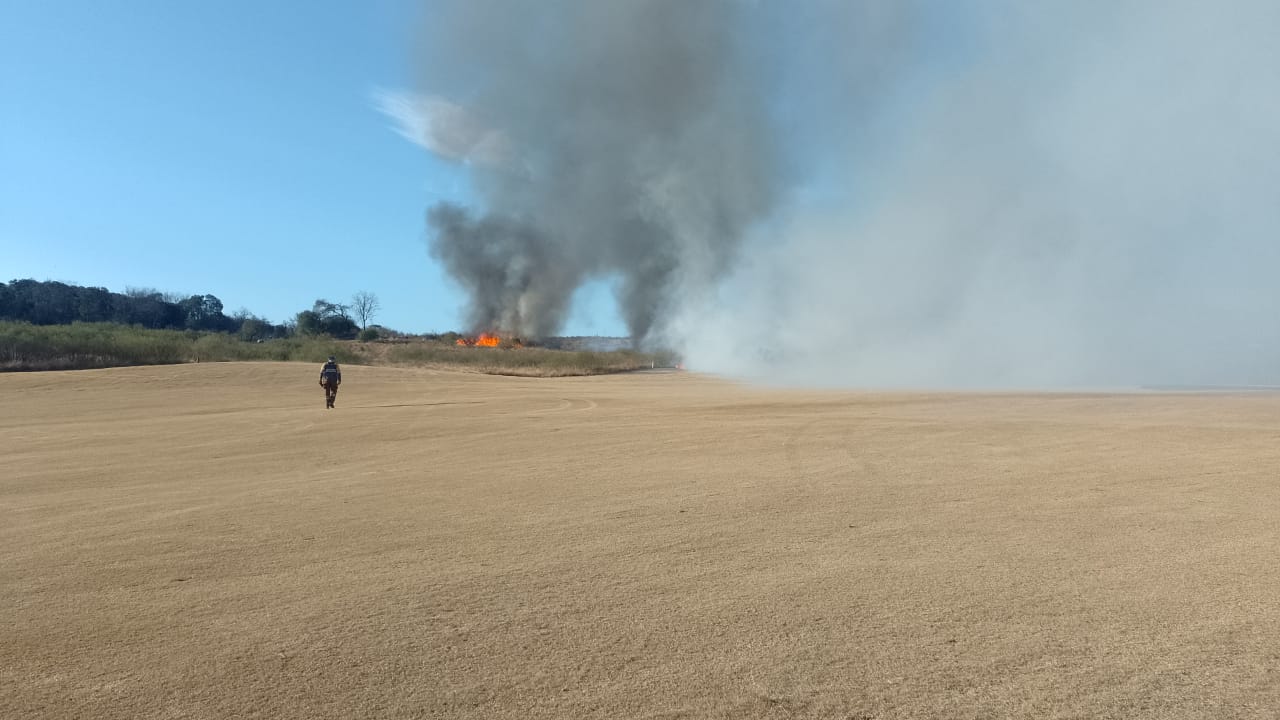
(330, 379)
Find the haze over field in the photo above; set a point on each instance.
(979, 193)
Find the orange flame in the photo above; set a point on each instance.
(484, 340)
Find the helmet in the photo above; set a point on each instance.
(333, 359)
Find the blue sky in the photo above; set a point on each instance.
(228, 147)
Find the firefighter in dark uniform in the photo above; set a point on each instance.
(330, 379)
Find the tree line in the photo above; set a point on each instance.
(56, 303)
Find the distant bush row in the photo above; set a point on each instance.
(56, 303)
(24, 346)
(78, 346)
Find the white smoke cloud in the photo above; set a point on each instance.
(1091, 197)
(442, 127)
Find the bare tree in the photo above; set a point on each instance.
(365, 305)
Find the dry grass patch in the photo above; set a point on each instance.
(207, 541)
(520, 362)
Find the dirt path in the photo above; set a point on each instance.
(207, 541)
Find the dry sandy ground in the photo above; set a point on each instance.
(207, 541)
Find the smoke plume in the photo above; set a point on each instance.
(634, 147)
(972, 193)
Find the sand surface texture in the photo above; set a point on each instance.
(207, 541)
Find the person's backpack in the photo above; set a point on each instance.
(330, 372)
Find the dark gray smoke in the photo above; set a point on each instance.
(626, 140)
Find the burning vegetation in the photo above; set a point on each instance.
(489, 340)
